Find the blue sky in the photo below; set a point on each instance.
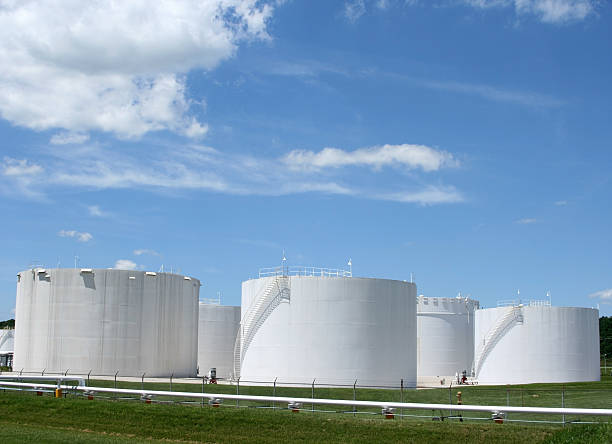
(464, 141)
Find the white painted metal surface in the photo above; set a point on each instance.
(217, 329)
(334, 329)
(528, 344)
(106, 321)
(321, 401)
(7, 340)
(445, 336)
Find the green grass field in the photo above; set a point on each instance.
(26, 417)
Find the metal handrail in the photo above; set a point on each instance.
(304, 271)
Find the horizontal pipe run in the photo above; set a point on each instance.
(379, 404)
(79, 379)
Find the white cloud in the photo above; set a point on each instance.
(20, 168)
(146, 251)
(80, 236)
(206, 169)
(126, 264)
(354, 9)
(526, 221)
(66, 138)
(548, 11)
(561, 203)
(114, 66)
(602, 295)
(408, 156)
(430, 195)
(94, 210)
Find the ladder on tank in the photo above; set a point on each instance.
(260, 309)
(499, 329)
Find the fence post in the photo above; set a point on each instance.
(274, 394)
(313, 382)
(507, 399)
(66, 374)
(238, 392)
(563, 401)
(450, 398)
(88, 376)
(43, 372)
(171, 376)
(202, 403)
(354, 397)
(142, 381)
(402, 397)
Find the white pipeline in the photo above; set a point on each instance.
(318, 401)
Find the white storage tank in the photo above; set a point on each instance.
(106, 320)
(217, 329)
(445, 337)
(317, 324)
(7, 343)
(519, 344)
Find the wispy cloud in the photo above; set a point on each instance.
(96, 211)
(431, 195)
(604, 296)
(147, 252)
(526, 221)
(354, 9)
(126, 264)
(67, 138)
(561, 203)
(547, 11)
(408, 156)
(329, 171)
(78, 235)
(493, 93)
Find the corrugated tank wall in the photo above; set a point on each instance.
(106, 321)
(445, 336)
(217, 329)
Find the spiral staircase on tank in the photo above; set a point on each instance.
(271, 296)
(512, 316)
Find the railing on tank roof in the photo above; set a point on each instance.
(304, 271)
(529, 303)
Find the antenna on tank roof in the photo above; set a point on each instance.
(350, 264)
(549, 298)
(411, 277)
(284, 269)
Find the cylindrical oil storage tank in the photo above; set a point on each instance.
(217, 329)
(106, 321)
(335, 330)
(445, 337)
(7, 344)
(536, 343)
